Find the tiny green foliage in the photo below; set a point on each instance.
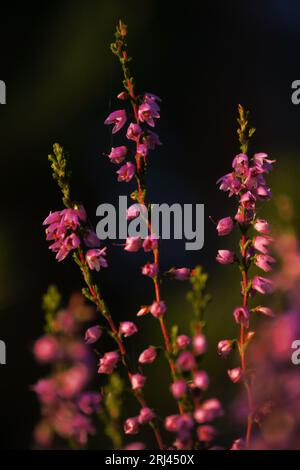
(198, 296)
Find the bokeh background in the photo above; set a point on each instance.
(202, 58)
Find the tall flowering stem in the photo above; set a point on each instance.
(247, 183)
(68, 231)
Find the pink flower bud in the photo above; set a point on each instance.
(262, 226)
(210, 410)
(146, 415)
(262, 242)
(150, 243)
(131, 425)
(133, 244)
(186, 361)
(118, 154)
(150, 269)
(143, 311)
(199, 344)
(126, 172)
(122, 96)
(148, 356)
(96, 258)
(225, 257)
(264, 262)
(137, 381)
(133, 132)
(224, 347)
(89, 402)
(128, 328)
(224, 226)
(92, 334)
(206, 433)
(201, 380)
(181, 274)
(172, 423)
(178, 389)
(264, 310)
(158, 309)
(241, 316)
(52, 218)
(235, 375)
(118, 118)
(133, 212)
(183, 341)
(46, 349)
(262, 285)
(108, 362)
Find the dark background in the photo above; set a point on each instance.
(202, 58)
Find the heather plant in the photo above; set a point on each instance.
(246, 182)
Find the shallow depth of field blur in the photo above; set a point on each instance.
(61, 81)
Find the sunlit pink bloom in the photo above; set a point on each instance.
(225, 257)
(172, 423)
(53, 217)
(240, 164)
(118, 154)
(157, 309)
(128, 328)
(150, 243)
(199, 344)
(224, 226)
(108, 362)
(248, 200)
(183, 341)
(206, 433)
(133, 132)
(264, 262)
(264, 310)
(261, 161)
(224, 347)
(92, 334)
(178, 388)
(150, 269)
(133, 244)
(186, 361)
(46, 349)
(147, 113)
(70, 218)
(181, 274)
(118, 118)
(146, 415)
(235, 374)
(242, 316)
(137, 381)
(262, 285)
(263, 192)
(131, 425)
(262, 242)
(90, 239)
(142, 149)
(70, 243)
(133, 211)
(201, 380)
(229, 183)
(89, 402)
(143, 311)
(96, 258)
(262, 226)
(126, 172)
(148, 356)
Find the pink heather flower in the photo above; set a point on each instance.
(118, 118)
(158, 309)
(235, 375)
(206, 433)
(242, 316)
(264, 262)
(122, 95)
(186, 361)
(148, 356)
(229, 183)
(133, 132)
(199, 344)
(96, 258)
(134, 446)
(178, 389)
(143, 311)
(262, 162)
(137, 381)
(150, 243)
(92, 334)
(146, 415)
(126, 172)
(53, 217)
(248, 200)
(238, 444)
(201, 380)
(90, 239)
(133, 212)
(70, 243)
(183, 341)
(181, 274)
(131, 425)
(142, 150)
(261, 243)
(46, 389)
(208, 411)
(262, 285)
(224, 347)
(118, 154)
(147, 113)
(133, 244)
(150, 269)
(128, 328)
(72, 380)
(89, 402)
(225, 257)
(224, 226)
(264, 310)
(262, 226)
(151, 98)
(46, 349)
(240, 164)
(108, 362)
(172, 423)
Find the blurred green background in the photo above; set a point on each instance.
(203, 59)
